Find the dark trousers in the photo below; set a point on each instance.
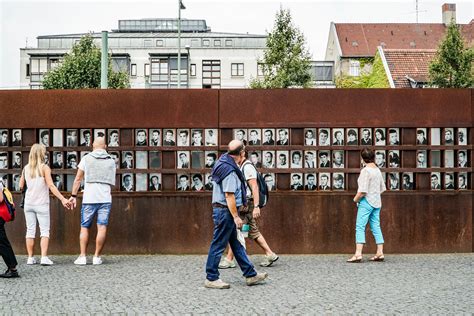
(5, 248)
(225, 232)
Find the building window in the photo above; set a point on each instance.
(146, 70)
(53, 63)
(211, 73)
(205, 43)
(217, 43)
(159, 43)
(260, 69)
(354, 68)
(133, 70)
(228, 43)
(237, 70)
(164, 71)
(192, 70)
(147, 43)
(194, 43)
(120, 64)
(27, 70)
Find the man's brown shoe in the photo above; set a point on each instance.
(217, 284)
(256, 279)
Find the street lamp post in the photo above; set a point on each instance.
(180, 7)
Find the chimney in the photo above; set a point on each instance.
(449, 13)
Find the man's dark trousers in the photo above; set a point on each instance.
(5, 248)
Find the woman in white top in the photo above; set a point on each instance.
(37, 176)
(369, 203)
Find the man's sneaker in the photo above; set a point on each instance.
(256, 279)
(217, 284)
(96, 260)
(268, 261)
(10, 274)
(46, 262)
(81, 260)
(31, 260)
(226, 264)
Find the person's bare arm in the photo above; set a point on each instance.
(52, 187)
(22, 180)
(359, 196)
(231, 204)
(256, 197)
(75, 187)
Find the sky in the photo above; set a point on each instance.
(21, 21)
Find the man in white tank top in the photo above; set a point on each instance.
(98, 171)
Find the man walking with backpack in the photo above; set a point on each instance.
(6, 250)
(249, 215)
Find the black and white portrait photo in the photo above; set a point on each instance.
(197, 183)
(283, 137)
(462, 159)
(46, 158)
(324, 137)
(380, 159)
(127, 160)
(268, 137)
(393, 136)
(3, 160)
(324, 182)
(127, 182)
(86, 137)
(380, 137)
(72, 160)
(72, 138)
(4, 180)
(282, 159)
(421, 159)
(197, 137)
(154, 182)
(16, 137)
(394, 159)
(449, 159)
(462, 136)
(448, 136)
(407, 181)
(58, 138)
(338, 159)
(16, 160)
(435, 181)
(309, 159)
(4, 137)
(113, 138)
(58, 160)
(394, 181)
(183, 137)
(270, 181)
(182, 182)
(462, 181)
(141, 161)
(141, 180)
(435, 136)
(211, 137)
(352, 138)
(421, 136)
(240, 134)
(256, 158)
(254, 137)
(338, 136)
(208, 182)
(211, 158)
(16, 182)
(169, 137)
(116, 157)
(154, 157)
(296, 183)
(182, 161)
(141, 137)
(58, 181)
(43, 137)
(449, 181)
(310, 137)
(99, 132)
(324, 159)
(296, 159)
(155, 136)
(310, 182)
(268, 159)
(197, 159)
(365, 136)
(338, 181)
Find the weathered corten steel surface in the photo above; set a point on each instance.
(293, 222)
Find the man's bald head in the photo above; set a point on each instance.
(99, 143)
(235, 147)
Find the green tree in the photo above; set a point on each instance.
(453, 65)
(80, 69)
(377, 78)
(286, 61)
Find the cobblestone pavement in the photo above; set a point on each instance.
(310, 284)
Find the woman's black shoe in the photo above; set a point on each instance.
(10, 274)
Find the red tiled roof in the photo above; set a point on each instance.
(413, 63)
(362, 39)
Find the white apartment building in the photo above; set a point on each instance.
(147, 49)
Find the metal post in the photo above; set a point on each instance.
(179, 44)
(104, 61)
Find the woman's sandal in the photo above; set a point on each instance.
(355, 259)
(377, 258)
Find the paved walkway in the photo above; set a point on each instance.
(407, 284)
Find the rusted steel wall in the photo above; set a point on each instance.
(293, 222)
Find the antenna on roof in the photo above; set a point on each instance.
(416, 11)
(26, 44)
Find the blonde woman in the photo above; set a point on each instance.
(37, 176)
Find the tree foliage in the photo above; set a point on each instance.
(286, 61)
(80, 69)
(377, 78)
(453, 65)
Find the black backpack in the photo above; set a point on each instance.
(262, 186)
